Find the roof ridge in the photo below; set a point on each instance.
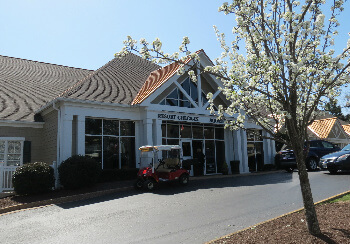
(326, 119)
(40, 62)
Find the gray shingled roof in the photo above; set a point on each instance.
(26, 86)
(118, 81)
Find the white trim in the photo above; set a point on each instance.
(28, 124)
(83, 102)
(186, 95)
(12, 138)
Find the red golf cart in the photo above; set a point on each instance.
(160, 163)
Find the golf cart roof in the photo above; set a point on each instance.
(159, 148)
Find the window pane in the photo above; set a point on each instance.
(186, 86)
(219, 133)
(2, 146)
(173, 131)
(220, 155)
(173, 142)
(16, 157)
(2, 157)
(163, 130)
(186, 149)
(194, 92)
(327, 145)
(14, 147)
(93, 126)
(93, 147)
(185, 103)
(210, 157)
(186, 131)
(171, 102)
(174, 94)
(204, 99)
(110, 152)
(209, 132)
(127, 149)
(250, 135)
(111, 127)
(197, 132)
(127, 128)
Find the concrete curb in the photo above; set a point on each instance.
(89, 195)
(295, 211)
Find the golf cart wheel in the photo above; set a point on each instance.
(149, 185)
(184, 179)
(139, 184)
(332, 171)
(311, 164)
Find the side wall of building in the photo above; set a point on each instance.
(34, 135)
(49, 139)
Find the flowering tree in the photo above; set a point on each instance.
(288, 70)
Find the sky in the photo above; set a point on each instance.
(87, 33)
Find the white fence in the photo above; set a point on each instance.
(6, 173)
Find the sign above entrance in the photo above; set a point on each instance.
(188, 118)
(178, 117)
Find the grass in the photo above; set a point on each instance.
(344, 198)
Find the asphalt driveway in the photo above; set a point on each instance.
(202, 211)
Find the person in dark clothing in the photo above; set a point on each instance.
(199, 168)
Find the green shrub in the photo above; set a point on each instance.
(109, 175)
(79, 171)
(33, 178)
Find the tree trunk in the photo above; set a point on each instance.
(310, 212)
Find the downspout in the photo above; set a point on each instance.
(58, 143)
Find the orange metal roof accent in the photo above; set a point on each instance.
(157, 78)
(346, 129)
(322, 127)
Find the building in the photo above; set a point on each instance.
(50, 112)
(330, 129)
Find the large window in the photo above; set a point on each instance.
(177, 98)
(204, 138)
(111, 142)
(11, 151)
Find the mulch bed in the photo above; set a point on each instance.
(334, 220)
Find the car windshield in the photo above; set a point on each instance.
(346, 148)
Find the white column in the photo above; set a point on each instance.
(157, 132)
(273, 151)
(244, 168)
(266, 148)
(229, 153)
(147, 132)
(199, 88)
(80, 135)
(237, 145)
(66, 137)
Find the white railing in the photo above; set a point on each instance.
(6, 173)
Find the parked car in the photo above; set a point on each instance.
(336, 161)
(318, 148)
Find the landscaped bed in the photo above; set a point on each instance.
(334, 220)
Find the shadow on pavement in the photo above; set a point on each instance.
(199, 183)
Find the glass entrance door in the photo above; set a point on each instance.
(186, 149)
(210, 164)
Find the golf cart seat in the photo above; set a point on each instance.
(170, 164)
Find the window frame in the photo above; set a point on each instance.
(6, 153)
